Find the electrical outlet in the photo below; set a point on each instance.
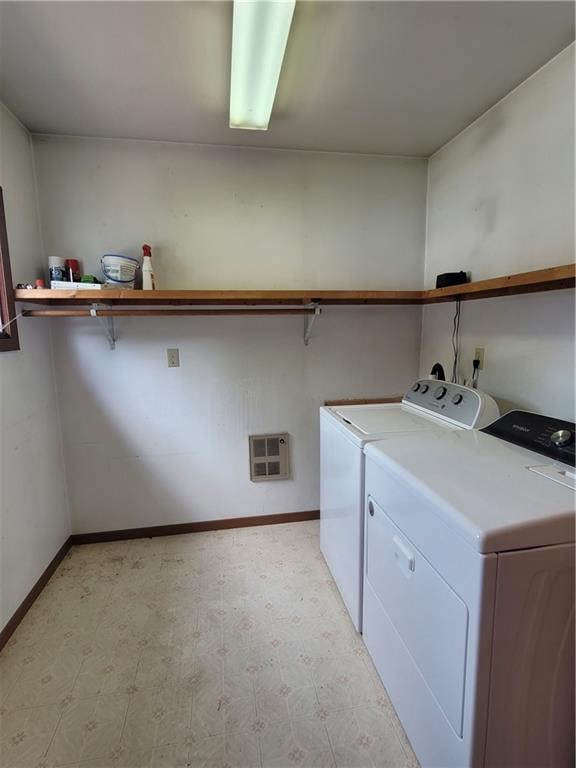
(479, 355)
(173, 357)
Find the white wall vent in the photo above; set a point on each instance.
(269, 457)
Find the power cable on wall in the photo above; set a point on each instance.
(9, 323)
(456, 341)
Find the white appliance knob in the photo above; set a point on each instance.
(457, 399)
(561, 437)
(416, 387)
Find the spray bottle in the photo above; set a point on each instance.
(147, 270)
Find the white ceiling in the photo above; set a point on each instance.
(384, 77)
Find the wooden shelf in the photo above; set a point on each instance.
(215, 298)
(553, 278)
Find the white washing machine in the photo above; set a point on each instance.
(344, 431)
(469, 590)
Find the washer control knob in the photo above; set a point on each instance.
(439, 392)
(424, 388)
(457, 399)
(416, 387)
(371, 508)
(561, 437)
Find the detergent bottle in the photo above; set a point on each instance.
(147, 269)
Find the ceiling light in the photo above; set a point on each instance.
(259, 36)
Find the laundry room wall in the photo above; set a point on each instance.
(229, 217)
(34, 521)
(148, 445)
(501, 200)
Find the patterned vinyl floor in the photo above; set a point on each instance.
(209, 650)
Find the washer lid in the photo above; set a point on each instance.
(386, 417)
(483, 486)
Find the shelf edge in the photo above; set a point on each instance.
(549, 279)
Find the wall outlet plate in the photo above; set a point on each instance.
(173, 358)
(479, 355)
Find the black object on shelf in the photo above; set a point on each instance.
(447, 279)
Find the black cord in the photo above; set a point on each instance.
(456, 341)
(437, 372)
(475, 370)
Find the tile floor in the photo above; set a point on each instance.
(209, 650)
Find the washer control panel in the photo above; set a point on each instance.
(442, 398)
(553, 438)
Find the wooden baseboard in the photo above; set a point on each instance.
(7, 632)
(207, 525)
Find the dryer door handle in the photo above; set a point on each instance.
(404, 556)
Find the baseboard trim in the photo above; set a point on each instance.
(7, 632)
(206, 525)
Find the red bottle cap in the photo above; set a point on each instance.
(146, 250)
(73, 265)
(40, 283)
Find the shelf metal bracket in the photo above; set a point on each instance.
(107, 325)
(309, 321)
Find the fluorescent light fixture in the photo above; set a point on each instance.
(259, 36)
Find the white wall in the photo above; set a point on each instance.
(501, 200)
(34, 520)
(529, 348)
(149, 445)
(223, 217)
(501, 194)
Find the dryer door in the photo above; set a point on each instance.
(429, 617)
